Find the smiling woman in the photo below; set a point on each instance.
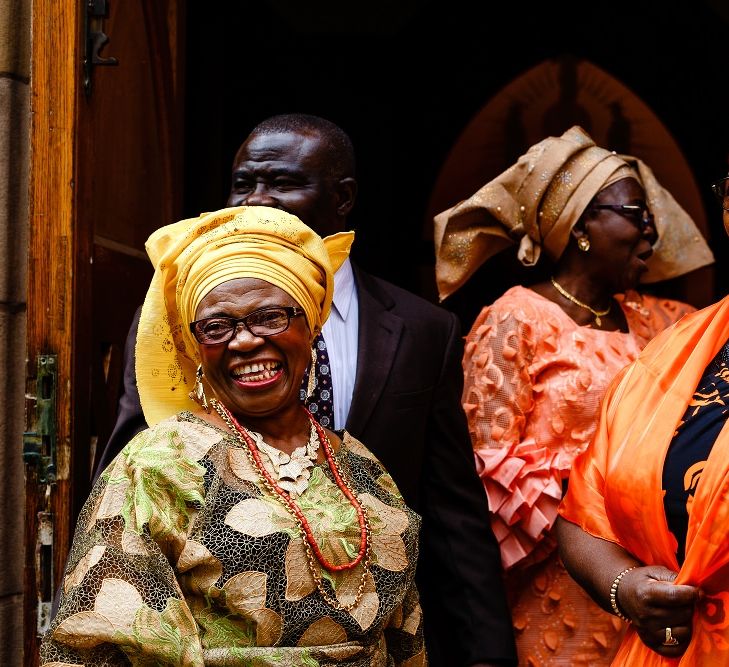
(257, 370)
(237, 530)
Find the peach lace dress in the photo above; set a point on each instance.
(534, 380)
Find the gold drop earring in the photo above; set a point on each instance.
(583, 243)
(311, 384)
(198, 391)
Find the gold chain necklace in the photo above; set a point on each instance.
(597, 313)
(311, 561)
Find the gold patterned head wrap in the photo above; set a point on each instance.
(193, 257)
(537, 201)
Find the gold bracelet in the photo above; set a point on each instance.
(614, 594)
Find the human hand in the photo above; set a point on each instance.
(650, 599)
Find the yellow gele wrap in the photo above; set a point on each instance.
(192, 257)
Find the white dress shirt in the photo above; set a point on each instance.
(340, 333)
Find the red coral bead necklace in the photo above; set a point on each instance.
(288, 501)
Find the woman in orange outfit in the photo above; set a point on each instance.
(645, 521)
(539, 359)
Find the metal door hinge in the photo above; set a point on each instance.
(96, 38)
(39, 442)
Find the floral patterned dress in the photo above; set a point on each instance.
(534, 381)
(181, 557)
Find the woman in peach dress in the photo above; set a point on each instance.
(538, 360)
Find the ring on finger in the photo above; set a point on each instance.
(670, 640)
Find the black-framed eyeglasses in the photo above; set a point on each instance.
(721, 190)
(638, 214)
(263, 322)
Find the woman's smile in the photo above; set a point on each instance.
(257, 375)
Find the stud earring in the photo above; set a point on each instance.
(583, 243)
(312, 375)
(198, 391)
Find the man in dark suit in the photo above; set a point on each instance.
(395, 364)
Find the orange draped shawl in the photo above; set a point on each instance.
(615, 486)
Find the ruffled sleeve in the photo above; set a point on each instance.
(522, 478)
(120, 599)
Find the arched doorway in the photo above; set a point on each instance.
(547, 100)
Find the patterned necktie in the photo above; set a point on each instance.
(321, 401)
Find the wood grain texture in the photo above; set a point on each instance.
(104, 166)
(129, 152)
(51, 269)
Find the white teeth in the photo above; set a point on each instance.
(266, 375)
(264, 371)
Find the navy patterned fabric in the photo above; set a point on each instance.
(692, 443)
(321, 401)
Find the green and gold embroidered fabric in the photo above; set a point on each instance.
(182, 558)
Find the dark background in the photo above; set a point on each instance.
(404, 78)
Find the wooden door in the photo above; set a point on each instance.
(106, 170)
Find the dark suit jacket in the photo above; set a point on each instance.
(406, 409)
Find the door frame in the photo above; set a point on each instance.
(56, 254)
(65, 164)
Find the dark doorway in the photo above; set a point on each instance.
(404, 79)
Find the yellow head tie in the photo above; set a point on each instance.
(193, 257)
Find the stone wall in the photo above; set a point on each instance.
(15, 43)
